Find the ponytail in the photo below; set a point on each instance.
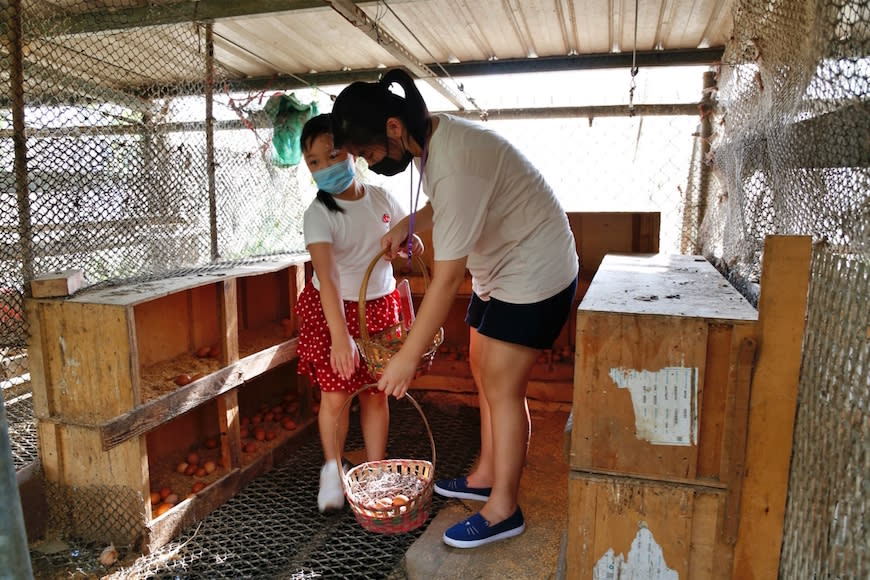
(416, 117)
(361, 110)
(329, 201)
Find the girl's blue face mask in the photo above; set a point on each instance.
(335, 178)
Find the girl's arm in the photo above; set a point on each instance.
(447, 276)
(343, 356)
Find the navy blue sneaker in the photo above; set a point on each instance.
(459, 488)
(476, 531)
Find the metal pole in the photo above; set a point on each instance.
(209, 138)
(707, 105)
(19, 137)
(13, 537)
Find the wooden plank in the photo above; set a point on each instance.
(782, 305)
(163, 409)
(665, 285)
(163, 328)
(630, 427)
(228, 322)
(716, 390)
(228, 419)
(205, 317)
(39, 377)
(627, 527)
(55, 284)
(132, 294)
(86, 350)
(733, 470)
(297, 285)
(82, 461)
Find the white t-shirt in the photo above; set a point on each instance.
(355, 235)
(492, 205)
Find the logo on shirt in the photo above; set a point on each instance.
(386, 218)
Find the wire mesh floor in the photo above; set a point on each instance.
(272, 528)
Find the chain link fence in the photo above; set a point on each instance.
(110, 166)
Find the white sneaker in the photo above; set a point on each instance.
(331, 494)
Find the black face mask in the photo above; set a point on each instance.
(387, 166)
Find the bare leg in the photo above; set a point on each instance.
(375, 423)
(333, 425)
(482, 473)
(327, 417)
(504, 376)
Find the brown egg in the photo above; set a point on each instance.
(182, 379)
(162, 509)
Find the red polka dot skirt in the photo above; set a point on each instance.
(315, 342)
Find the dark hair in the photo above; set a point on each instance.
(361, 110)
(314, 128)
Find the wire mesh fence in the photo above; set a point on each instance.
(126, 155)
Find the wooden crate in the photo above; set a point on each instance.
(630, 528)
(662, 371)
(112, 417)
(551, 378)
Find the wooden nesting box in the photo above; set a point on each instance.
(665, 349)
(129, 381)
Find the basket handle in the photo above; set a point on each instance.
(341, 413)
(361, 306)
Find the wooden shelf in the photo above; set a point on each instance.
(113, 412)
(159, 411)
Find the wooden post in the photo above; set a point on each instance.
(781, 319)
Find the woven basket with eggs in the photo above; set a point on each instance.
(390, 496)
(377, 349)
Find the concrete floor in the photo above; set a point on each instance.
(543, 498)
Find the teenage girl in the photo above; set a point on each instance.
(491, 212)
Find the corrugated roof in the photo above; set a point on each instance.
(283, 42)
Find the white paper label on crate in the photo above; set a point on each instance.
(665, 403)
(645, 561)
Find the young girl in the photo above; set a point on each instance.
(491, 211)
(343, 227)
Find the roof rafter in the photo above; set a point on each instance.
(355, 15)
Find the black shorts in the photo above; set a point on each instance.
(536, 325)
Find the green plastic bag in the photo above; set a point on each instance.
(288, 116)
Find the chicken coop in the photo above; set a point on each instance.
(713, 160)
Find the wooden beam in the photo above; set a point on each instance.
(161, 15)
(782, 308)
(356, 16)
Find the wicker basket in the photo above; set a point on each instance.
(389, 479)
(378, 349)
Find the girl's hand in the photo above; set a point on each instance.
(397, 376)
(395, 240)
(343, 356)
